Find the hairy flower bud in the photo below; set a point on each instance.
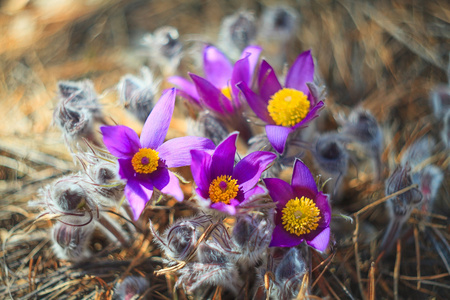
(137, 94)
(252, 236)
(362, 128)
(214, 269)
(131, 288)
(237, 31)
(165, 48)
(440, 101)
(179, 240)
(70, 242)
(289, 274)
(209, 126)
(400, 206)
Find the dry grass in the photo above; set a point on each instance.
(384, 56)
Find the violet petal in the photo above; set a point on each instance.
(176, 152)
(302, 177)
(256, 103)
(218, 68)
(277, 136)
(138, 196)
(159, 178)
(223, 158)
(282, 238)
(320, 241)
(211, 96)
(240, 73)
(248, 170)
(268, 83)
(313, 113)
(173, 188)
(155, 128)
(200, 168)
(301, 72)
(226, 208)
(121, 141)
(253, 58)
(185, 86)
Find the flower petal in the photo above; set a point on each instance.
(173, 188)
(313, 113)
(268, 83)
(226, 208)
(280, 192)
(138, 196)
(302, 177)
(240, 73)
(253, 58)
(301, 72)
(211, 96)
(176, 152)
(218, 68)
(282, 238)
(256, 103)
(325, 209)
(320, 241)
(157, 124)
(126, 170)
(277, 136)
(185, 88)
(159, 178)
(201, 171)
(121, 141)
(249, 169)
(223, 158)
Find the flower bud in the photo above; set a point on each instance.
(252, 236)
(70, 242)
(165, 48)
(138, 94)
(131, 288)
(209, 126)
(289, 275)
(178, 241)
(363, 128)
(79, 95)
(237, 31)
(400, 206)
(214, 269)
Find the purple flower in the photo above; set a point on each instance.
(220, 184)
(217, 91)
(144, 161)
(302, 212)
(288, 108)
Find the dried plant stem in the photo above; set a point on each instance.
(397, 268)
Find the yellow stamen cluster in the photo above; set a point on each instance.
(226, 91)
(145, 161)
(300, 216)
(288, 107)
(223, 189)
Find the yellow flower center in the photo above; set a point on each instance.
(300, 216)
(288, 107)
(226, 91)
(223, 189)
(145, 161)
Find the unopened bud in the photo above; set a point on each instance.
(237, 31)
(289, 274)
(138, 94)
(70, 242)
(131, 288)
(209, 126)
(440, 101)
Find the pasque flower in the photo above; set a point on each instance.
(220, 184)
(302, 213)
(284, 109)
(144, 162)
(217, 91)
